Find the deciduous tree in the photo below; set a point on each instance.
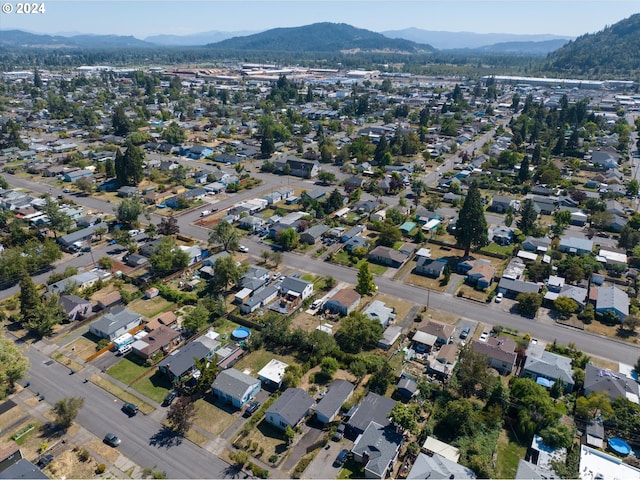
(358, 332)
(181, 414)
(366, 284)
(225, 234)
(66, 411)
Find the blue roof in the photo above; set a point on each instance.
(544, 382)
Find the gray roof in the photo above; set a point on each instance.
(577, 243)
(79, 235)
(292, 405)
(260, 295)
(234, 382)
(116, 319)
(374, 408)
(317, 230)
(518, 286)
(181, 360)
(23, 468)
(530, 471)
(69, 302)
(293, 284)
(437, 467)
(548, 364)
(613, 384)
(612, 298)
(338, 393)
(381, 443)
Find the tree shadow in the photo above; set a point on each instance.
(166, 438)
(234, 471)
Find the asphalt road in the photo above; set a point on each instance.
(142, 439)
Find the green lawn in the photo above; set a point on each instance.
(373, 267)
(256, 360)
(126, 370)
(342, 258)
(155, 385)
(508, 455)
(495, 248)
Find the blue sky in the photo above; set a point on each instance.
(150, 17)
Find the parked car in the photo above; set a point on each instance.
(130, 409)
(125, 349)
(204, 213)
(276, 276)
(243, 249)
(316, 304)
(341, 458)
(251, 408)
(337, 436)
(465, 333)
(499, 297)
(171, 396)
(44, 461)
(484, 337)
(112, 439)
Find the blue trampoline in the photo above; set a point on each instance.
(241, 333)
(619, 446)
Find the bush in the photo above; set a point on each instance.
(103, 343)
(273, 458)
(83, 454)
(101, 468)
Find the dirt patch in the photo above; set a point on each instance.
(103, 450)
(211, 418)
(469, 292)
(150, 307)
(13, 416)
(81, 347)
(307, 322)
(306, 384)
(424, 282)
(70, 465)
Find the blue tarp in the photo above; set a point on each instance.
(544, 382)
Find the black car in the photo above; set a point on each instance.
(44, 461)
(171, 396)
(465, 333)
(251, 408)
(130, 409)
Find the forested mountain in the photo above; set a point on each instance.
(524, 48)
(614, 51)
(20, 39)
(320, 37)
(195, 38)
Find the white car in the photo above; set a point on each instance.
(499, 297)
(205, 213)
(243, 249)
(484, 337)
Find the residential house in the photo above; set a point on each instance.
(235, 387)
(84, 235)
(313, 234)
(299, 168)
(108, 300)
(161, 339)
(75, 307)
(502, 235)
(604, 465)
(338, 394)
(501, 204)
(343, 302)
(431, 267)
(512, 288)
(113, 324)
(75, 175)
(406, 388)
(356, 242)
(390, 336)
(444, 360)
(407, 227)
(251, 223)
(576, 293)
(612, 299)
(128, 192)
(442, 331)
(438, 467)
(349, 234)
(574, 245)
(377, 450)
(544, 205)
(547, 367)
(291, 407)
(482, 273)
(612, 384)
(374, 408)
(260, 299)
(386, 256)
(542, 190)
(500, 353)
(296, 287)
(271, 374)
(605, 158)
(181, 363)
(166, 319)
(377, 310)
(617, 224)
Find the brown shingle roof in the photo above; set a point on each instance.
(440, 330)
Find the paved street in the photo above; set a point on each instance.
(590, 343)
(142, 440)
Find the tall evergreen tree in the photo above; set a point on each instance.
(133, 159)
(381, 149)
(109, 168)
(120, 122)
(528, 217)
(30, 301)
(523, 173)
(120, 169)
(471, 227)
(366, 285)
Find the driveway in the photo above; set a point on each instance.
(310, 436)
(322, 464)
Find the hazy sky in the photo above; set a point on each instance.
(151, 17)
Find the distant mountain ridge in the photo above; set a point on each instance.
(195, 39)
(443, 40)
(320, 37)
(18, 38)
